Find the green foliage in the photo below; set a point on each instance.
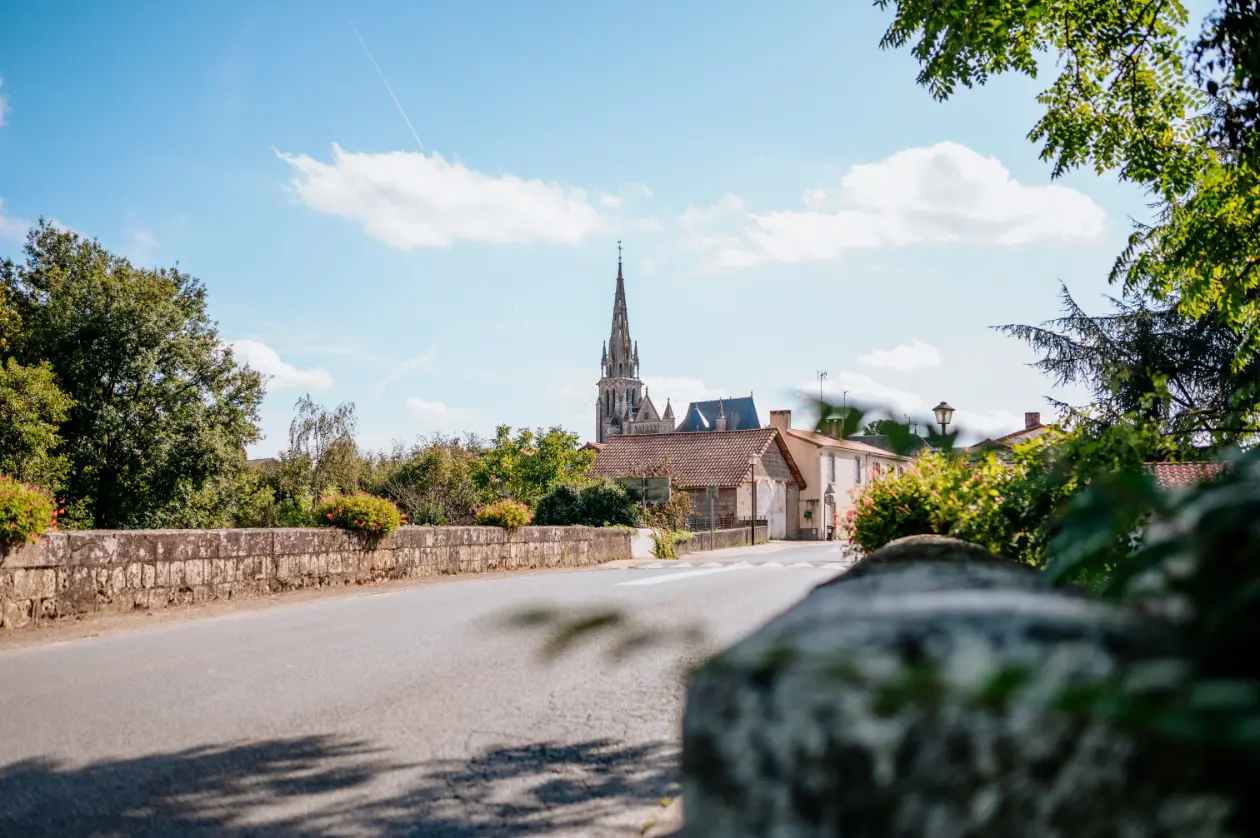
(433, 482)
(601, 503)
(1143, 358)
(322, 457)
(1194, 566)
(160, 411)
(362, 513)
(528, 466)
(1125, 100)
(25, 512)
(1013, 505)
(505, 513)
(879, 427)
(664, 542)
(32, 409)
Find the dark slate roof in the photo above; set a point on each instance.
(716, 458)
(741, 415)
(1168, 475)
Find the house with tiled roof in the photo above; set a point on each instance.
(730, 461)
(835, 470)
(1033, 428)
(1176, 475)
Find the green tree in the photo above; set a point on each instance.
(528, 466)
(160, 410)
(433, 482)
(31, 411)
(1131, 96)
(322, 457)
(1143, 359)
(878, 427)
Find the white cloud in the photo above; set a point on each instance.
(679, 391)
(881, 400)
(611, 200)
(4, 104)
(11, 228)
(267, 361)
(408, 366)
(914, 355)
(409, 200)
(143, 245)
(943, 194)
(437, 416)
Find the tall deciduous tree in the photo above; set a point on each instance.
(527, 466)
(160, 412)
(32, 410)
(322, 456)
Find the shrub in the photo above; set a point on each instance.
(505, 513)
(360, 513)
(600, 504)
(25, 512)
(664, 541)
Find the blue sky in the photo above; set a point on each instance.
(788, 199)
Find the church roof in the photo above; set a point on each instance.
(719, 458)
(741, 415)
(647, 410)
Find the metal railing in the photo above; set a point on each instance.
(699, 523)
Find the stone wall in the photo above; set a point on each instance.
(75, 573)
(926, 692)
(721, 540)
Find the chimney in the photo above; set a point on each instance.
(781, 419)
(1031, 420)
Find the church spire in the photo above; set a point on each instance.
(621, 360)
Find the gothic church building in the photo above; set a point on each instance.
(624, 405)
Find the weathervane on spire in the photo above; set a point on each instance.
(618, 251)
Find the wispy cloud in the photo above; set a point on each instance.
(438, 416)
(404, 368)
(910, 356)
(11, 228)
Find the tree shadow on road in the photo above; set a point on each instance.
(326, 786)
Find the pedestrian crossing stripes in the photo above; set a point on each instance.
(770, 565)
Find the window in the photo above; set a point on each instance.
(874, 470)
(831, 467)
(857, 470)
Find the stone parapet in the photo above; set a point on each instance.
(74, 573)
(925, 693)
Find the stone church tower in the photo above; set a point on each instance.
(624, 405)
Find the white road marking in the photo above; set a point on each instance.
(742, 565)
(802, 564)
(713, 564)
(769, 564)
(688, 574)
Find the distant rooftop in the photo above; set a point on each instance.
(741, 415)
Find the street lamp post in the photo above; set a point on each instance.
(944, 415)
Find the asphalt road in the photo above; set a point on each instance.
(416, 712)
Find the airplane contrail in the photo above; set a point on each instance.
(386, 81)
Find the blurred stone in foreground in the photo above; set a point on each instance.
(933, 692)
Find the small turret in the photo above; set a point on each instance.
(720, 423)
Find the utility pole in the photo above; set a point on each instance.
(752, 476)
(822, 376)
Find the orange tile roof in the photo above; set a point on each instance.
(704, 458)
(1168, 475)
